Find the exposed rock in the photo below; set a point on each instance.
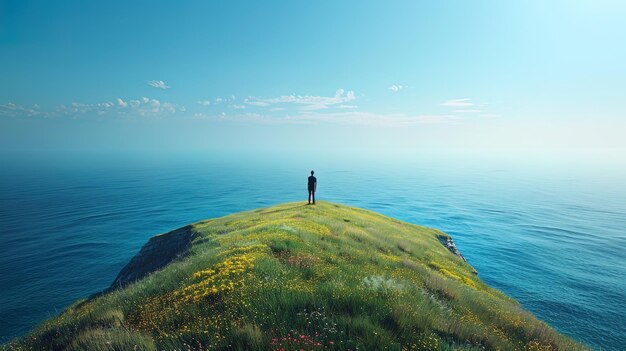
(449, 244)
(157, 253)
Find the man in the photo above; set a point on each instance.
(312, 187)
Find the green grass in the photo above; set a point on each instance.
(323, 277)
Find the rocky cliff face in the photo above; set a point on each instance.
(450, 245)
(158, 252)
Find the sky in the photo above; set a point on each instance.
(318, 77)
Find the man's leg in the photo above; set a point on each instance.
(313, 193)
(309, 198)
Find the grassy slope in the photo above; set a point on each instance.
(295, 276)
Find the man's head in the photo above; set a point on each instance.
(312, 172)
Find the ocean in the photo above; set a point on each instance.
(552, 236)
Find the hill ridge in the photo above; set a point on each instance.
(291, 277)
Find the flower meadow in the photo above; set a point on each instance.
(298, 277)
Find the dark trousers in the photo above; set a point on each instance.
(311, 195)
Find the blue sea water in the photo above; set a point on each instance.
(552, 237)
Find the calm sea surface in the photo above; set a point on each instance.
(552, 238)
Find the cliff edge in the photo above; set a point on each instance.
(158, 252)
(292, 277)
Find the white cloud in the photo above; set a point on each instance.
(169, 107)
(204, 102)
(458, 103)
(119, 107)
(396, 87)
(238, 107)
(11, 109)
(305, 102)
(158, 84)
(147, 107)
(255, 103)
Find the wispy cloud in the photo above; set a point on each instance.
(158, 84)
(11, 109)
(458, 103)
(250, 102)
(151, 107)
(218, 100)
(308, 109)
(144, 106)
(396, 87)
(305, 102)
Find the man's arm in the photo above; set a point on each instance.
(315, 186)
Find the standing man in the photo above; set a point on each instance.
(312, 187)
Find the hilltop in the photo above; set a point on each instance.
(291, 277)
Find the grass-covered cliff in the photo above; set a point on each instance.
(292, 277)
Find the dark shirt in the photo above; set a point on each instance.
(312, 182)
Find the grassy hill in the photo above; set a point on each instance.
(292, 277)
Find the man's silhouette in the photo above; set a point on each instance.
(312, 187)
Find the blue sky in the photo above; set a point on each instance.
(392, 76)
